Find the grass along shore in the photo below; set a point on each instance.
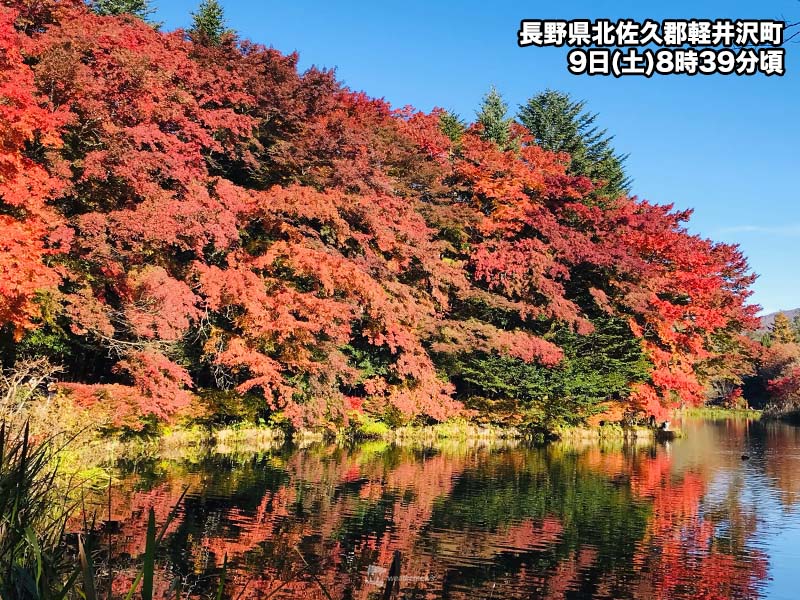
(244, 438)
(717, 412)
(181, 441)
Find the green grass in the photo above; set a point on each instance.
(456, 429)
(371, 429)
(715, 412)
(609, 431)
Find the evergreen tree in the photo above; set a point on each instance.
(493, 115)
(208, 23)
(561, 124)
(597, 367)
(452, 126)
(781, 331)
(137, 8)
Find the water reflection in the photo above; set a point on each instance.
(689, 519)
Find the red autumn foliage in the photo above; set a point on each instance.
(26, 220)
(210, 217)
(159, 306)
(786, 388)
(158, 388)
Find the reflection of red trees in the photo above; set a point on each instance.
(678, 556)
(131, 511)
(252, 529)
(783, 470)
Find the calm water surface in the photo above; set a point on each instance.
(687, 519)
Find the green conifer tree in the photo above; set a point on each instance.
(137, 8)
(452, 126)
(208, 23)
(493, 115)
(561, 124)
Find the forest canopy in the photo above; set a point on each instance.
(188, 221)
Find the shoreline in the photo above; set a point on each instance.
(714, 412)
(188, 441)
(196, 441)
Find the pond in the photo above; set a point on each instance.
(690, 518)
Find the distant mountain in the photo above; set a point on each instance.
(766, 320)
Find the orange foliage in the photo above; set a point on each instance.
(305, 242)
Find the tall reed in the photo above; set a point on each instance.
(35, 563)
(37, 560)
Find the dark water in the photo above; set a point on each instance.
(687, 519)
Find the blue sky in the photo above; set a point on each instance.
(723, 145)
